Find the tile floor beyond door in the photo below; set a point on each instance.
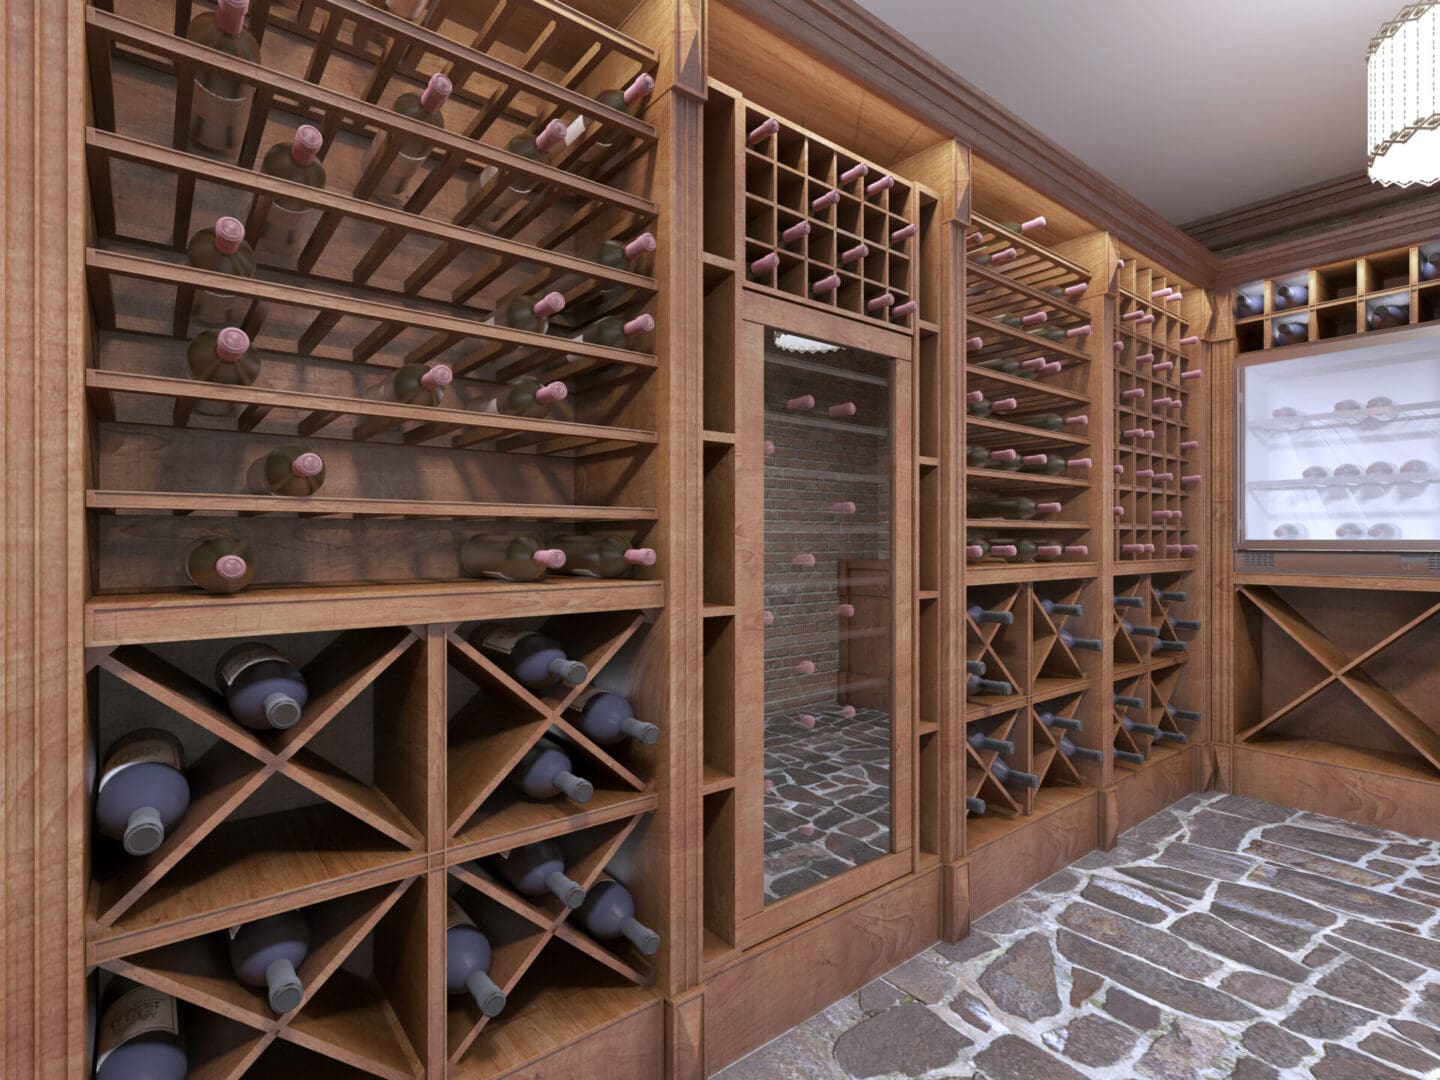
(1223, 937)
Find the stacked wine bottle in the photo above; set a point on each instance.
(1154, 624)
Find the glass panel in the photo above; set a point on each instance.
(1344, 446)
(830, 610)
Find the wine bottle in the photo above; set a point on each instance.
(1053, 464)
(1065, 723)
(1129, 701)
(1291, 333)
(1384, 530)
(978, 406)
(608, 718)
(1128, 757)
(221, 565)
(1291, 296)
(142, 792)
(1182, 624)
(1073, 642)
(1385, 316)
(1139, 727)
(1170, 646)
(1021, 228)
(1015, 507)
(1430, 265)
(139, 1035)
(1049, 550)
(1172, 596)
(1070, 750)
(287, 222)
(507, 192)
(1289, 530)
(990, 258)
(523, 397)
(1247, 305)
(222, 249)
(602, 556)
(1050, 421)
(1129, 601)
(974, 805)
(265, 953)
(521, 558)
(974, 684)
(609, 912)
(1051, 607)
(976, 549)
(978, 741)
(545, 772)
(225, 357)
(533, 659)
(1135, 630)
(467, 961)
(1182, 714)
(425, 107)
(982, 615)
(536, 869)
(1001, 770)
(220, 107)
(263, 689)
(617, 255)
(1349, 531)
(975, 667)
(291, 471)
(609, 143)
(414, 384)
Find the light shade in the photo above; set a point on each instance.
(1404, 71)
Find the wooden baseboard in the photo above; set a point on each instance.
(1011, 864)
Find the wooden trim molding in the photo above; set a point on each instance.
(42, 567)
(1317, 206)
(848, 37)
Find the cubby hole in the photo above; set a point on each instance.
(1336, 320)
(1390, 270)
(1336, 282)
(1249, 300)
(1428, 301)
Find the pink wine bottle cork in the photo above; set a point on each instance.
(229, 235)
(1118, 511)
(551, 136)
(307, 144)
(1034, 459)
(438, 90)
(855, 172)
(1145, 358)
(1144, 474)
(1133, 549)
(439, 376)
(1189, 549)
(1176, 403)
(231, 567)
(1053, 368)
(842, 507)
(1119, 264)
(641, 245)
(975, 551)
(230, 15)
(904, 233)
(1159, 294)
(1119, 346)
(826, 285)
(1164, 477)
(1003, 256)
(231, 344)
(805, 667)
(640, 556)
(1172, 297)
(1146, 320)
(1004, 405)
(796, 232)
(824, 202)
(846, 408)
(975, 343)
(807, 830)
(805, 720)
(875, 187)
(307, 464)
(769, 787)
(847, 711)
(1034, 318)
(552, 392)
(801, 403)
(855, 254)
(642, 85)
(1079, 420)
(1190, 444)
(641, 324)
(974, 237)
(1119, 470)
(552, 558)
(765, 263)
(975, 397)
(1161, 402)
(552, 303)
(1131, 316)
(1005, 551)
(1053, 550)
(1173, 547)
(1037, 222)
(1077, 290)
(1191, 340)
(1192, 374)
(1079, 463)
(1133, 392)
(763, 131)
(1047, 508)
(909, 307)
(803, 560)
(845, 611)
(1079, 331)
(1077, 549)
(769, 448)
(1160, 515)
(1163, 365)
(1133, 433)
(1004, 455)
(1035, 363)
(767, 617)
(1195, 479)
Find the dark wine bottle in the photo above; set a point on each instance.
(467, 961)
(608, 718)
(139, 1035)
(535, 869)
(974, 805)
(1070, 750)
(1002, 771)
(1129, 758)
(1050, 607)
(1013, 507)
(220, 107)
(143, 792)
(264, 954)
(545, 772)
(410, 155)
(609, 913)
(1136, 630)
(1182, 714)
(1291, 296)
(1129, 601)
(1290, 333)
(975, 667)
(1384, 316)
(974, 684)
(1067, 723)
(1073, 642)
(263, 689)
(983, 615)
(1172, 596)
(978, 741)
(1129, 702)
(536, 661)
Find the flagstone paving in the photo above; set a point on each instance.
(1222, 938)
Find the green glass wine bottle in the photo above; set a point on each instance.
(287, 222)
(222, 356)
(524, 397)
(220, 107)
(602, 556)
(1012, 507)
(221, 248)
(410, 156)
(502, 193)
(287, 470)
(220, 564)
(609, 144)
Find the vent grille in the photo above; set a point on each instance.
(1435, 563)
(1260, 560)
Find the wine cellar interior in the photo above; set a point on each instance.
(550, 539)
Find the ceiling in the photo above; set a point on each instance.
(1193, 108)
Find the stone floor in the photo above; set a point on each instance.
(827, 796)
(1223, 937)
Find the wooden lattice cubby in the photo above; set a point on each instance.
(1151, 664)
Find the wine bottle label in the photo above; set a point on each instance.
(141, 1011)
(219, 122)
(455, 915)
(503, 639)
(158, 747)
(245, 657)
(284, 229)
(583, 698)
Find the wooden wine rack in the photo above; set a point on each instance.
(1340, 296)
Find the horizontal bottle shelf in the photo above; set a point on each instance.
(1375, 421)
(220, 505)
